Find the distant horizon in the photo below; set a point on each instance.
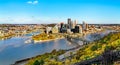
(54, 11)
(59, 23)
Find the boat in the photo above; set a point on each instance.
(28, 41)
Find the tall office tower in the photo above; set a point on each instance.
(74, 23)
(84, 26)
(70, 24)
(69, 21)
(80, 29)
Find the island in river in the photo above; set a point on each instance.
(42, 37)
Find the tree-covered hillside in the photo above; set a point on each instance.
(111, 43)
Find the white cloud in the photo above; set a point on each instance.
(29, 2)
(33, 2)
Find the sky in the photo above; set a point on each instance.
(56, 11)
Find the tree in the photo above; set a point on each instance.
(41, 62)
(108, 48)
(93, 48)
(36, 62)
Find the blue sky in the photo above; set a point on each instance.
(56, 11)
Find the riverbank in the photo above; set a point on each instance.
(6, 36)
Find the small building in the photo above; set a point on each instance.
(48, 29)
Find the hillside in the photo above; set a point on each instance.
(106, 46)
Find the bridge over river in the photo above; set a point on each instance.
(77, 40)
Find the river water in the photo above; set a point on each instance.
(15, 48)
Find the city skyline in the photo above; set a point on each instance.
(56, 11)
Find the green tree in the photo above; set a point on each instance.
(94, 47)
(36, 62)
(41, 62)
(108, 48)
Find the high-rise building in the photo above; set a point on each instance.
(70, 23)
(84, 26)
(74, 23)
(80, 29)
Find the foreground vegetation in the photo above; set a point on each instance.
(92, 50)
(47, 58)
(110, 42)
